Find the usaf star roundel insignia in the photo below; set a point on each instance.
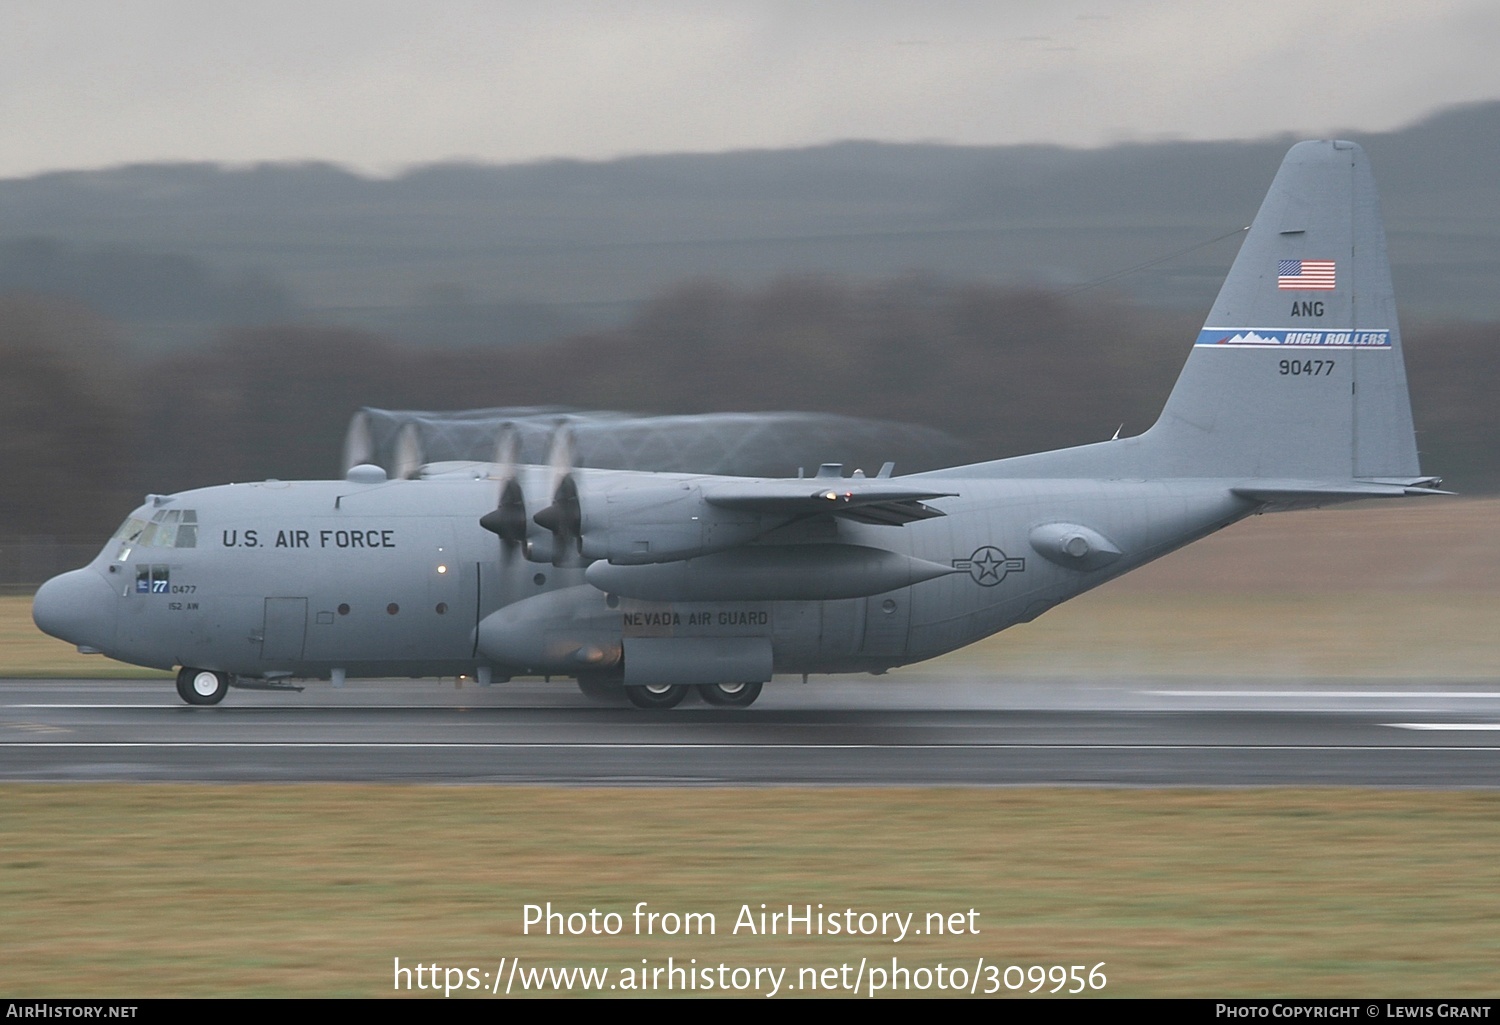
(988, 565)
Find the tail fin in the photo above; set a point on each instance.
(1296, 380)
(1298, 371)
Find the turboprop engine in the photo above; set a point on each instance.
(615, 517)
(636, 525)
(680, 537)
(691, 540)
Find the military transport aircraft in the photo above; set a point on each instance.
(1293, 395)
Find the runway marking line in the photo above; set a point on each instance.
(1322, 693)
(647, 745)
(75, 705)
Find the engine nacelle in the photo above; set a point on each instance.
(660, 523)
(806, 572)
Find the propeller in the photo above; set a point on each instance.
(508, 519)
(564, 517)
(407, 458)
(359, 448)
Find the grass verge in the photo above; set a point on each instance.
(145, 890)
(1122, 632)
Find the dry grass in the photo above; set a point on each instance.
(1360, 635)
(1384, 590)
(1114, 631)
(179, 890)
(144, 890)
(1395, 589)
(27, 652)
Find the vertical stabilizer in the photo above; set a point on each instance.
(1298, 371)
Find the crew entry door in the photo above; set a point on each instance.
(285, 630)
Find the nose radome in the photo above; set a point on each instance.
(78, 607)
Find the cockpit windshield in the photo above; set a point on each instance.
(169, 528)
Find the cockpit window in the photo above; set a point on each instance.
(128, 534)
(169, 528)
(166, 534)
(187, 530)
(130, 530)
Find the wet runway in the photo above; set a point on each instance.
(915, 730)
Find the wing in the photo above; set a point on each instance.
(881, 502)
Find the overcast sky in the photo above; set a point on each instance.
(383, 85)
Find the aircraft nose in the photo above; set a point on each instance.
(78, 607)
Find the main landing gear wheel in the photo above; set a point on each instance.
(656, 695)
(202, 686)
(601, 690)
(729, 695)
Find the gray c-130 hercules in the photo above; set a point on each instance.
(1293, 395)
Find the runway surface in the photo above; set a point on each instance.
(918, 730)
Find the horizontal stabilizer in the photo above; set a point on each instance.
(1298, 493)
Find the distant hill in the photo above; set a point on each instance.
(474, 254)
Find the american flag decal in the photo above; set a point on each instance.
(1305, 275)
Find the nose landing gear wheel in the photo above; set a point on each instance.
(656, 695)
(730, 695)
(202, 686)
